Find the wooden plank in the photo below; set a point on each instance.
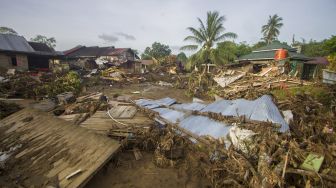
(129, 112)
(56, 149)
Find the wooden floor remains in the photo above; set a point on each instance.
(102, 122)
(46, 150)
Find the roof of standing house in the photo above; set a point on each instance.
(92, 51)
(18, 44)
(95, 51)
(318, 61)
(268, 52)
(41, 47)
(14, 43)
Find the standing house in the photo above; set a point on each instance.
(17, 53)
(125, 58)
(266, 55)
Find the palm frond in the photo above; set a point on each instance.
(189, 47)
(194, 39)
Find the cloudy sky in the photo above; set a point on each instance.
(138, 23)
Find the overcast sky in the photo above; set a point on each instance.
(138, 23)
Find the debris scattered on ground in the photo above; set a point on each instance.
(8, 108)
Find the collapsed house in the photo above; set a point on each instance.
(291, 61)
(19, 54)
(93, 57)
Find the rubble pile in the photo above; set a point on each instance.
(251, 86)
(18, 85)
(258, 154)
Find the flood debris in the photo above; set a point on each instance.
(8, 108)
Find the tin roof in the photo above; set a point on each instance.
(10, 42)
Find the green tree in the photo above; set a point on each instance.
(51, 42)
(228, 51)
(7, 30)
(205, 37)
(314, 49)
(242, 49)
(158, 51)
(258, 45)
(182, 57)
(272, 29)
(330, 45)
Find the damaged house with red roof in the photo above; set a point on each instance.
(93, 57)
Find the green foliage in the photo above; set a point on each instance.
(157, 51)
(51, 42)
(182, 57)
(205, 37)
(7, 30)
(230, 51)
(272, 29)
(330, 45)
(314, 49)
(69, 82)
(258, 45)
(243, 49)
(332, 61)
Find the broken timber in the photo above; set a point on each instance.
(51, 150)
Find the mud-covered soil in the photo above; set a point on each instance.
(128, 172)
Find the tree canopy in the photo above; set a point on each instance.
(230, 51)
(271, 30)
(157, 51)
(51, 42)
(182, 57)
(205, 37)
(7, 30)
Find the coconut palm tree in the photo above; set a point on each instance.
(271, 29)
(205, 37)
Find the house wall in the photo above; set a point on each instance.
(131, 67)
(21, 60)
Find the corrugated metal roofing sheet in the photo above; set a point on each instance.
(189, 106)
(261, 109)
(173, 116)
(201, 126)
(10, 42)
(150, 104)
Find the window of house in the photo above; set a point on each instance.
(14, 62)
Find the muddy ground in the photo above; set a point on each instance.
(147, 90)
(127, 172)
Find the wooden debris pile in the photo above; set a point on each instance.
(304, 158)
(252, 86)
(18, 85)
